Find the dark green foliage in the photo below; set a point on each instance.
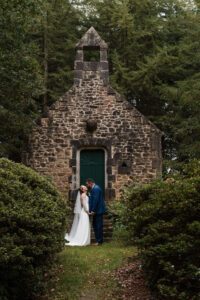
(36, 64)
(115, 211)
(20, 77)
(192, 169)
(57, 32)
(162, 219)
(32, 226)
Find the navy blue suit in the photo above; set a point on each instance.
(97, 205)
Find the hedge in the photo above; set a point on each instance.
(163, 220)
(32, 226)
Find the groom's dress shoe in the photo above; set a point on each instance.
(96, 244)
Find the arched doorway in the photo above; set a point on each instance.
(92, 165)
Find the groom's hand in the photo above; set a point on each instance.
(92, 213)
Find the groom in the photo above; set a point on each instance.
(96, 208)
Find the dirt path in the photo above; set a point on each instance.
(132, 279)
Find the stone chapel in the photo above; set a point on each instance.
(93, 132)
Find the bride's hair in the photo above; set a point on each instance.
(81, 189)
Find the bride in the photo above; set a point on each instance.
(80, 231)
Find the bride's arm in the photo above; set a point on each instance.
(83, 201)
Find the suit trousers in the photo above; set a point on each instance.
(98, 227)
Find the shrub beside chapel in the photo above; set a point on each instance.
(162, 219)
(33, 223)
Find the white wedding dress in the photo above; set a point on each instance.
(80, 231)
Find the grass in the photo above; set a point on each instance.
(88, 271)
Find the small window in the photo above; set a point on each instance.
(91, 54)
(124, 164)
(124, 167)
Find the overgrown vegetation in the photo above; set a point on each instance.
(162, 220)
(32, 225)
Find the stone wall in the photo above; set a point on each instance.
(93, 115)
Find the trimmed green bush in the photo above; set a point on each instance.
(163, 220)
(32, 226)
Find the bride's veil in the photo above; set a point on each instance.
(77, 211)
(77, 206)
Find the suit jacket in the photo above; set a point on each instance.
(96, 201)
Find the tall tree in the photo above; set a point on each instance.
(36, 65)
(20, 78)
(57, 33)
(183, 110)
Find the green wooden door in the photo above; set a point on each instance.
(92, 165)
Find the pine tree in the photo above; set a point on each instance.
(183, 111)
(36, 66)
(57, 33)
(20, 79)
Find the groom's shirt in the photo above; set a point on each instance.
(96, 201)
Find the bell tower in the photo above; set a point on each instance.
(91, 66)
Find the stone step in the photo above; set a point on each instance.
(105, 240)
(107, 234)
(105, 230)
(109, 228)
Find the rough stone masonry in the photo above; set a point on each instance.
(92, 115)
